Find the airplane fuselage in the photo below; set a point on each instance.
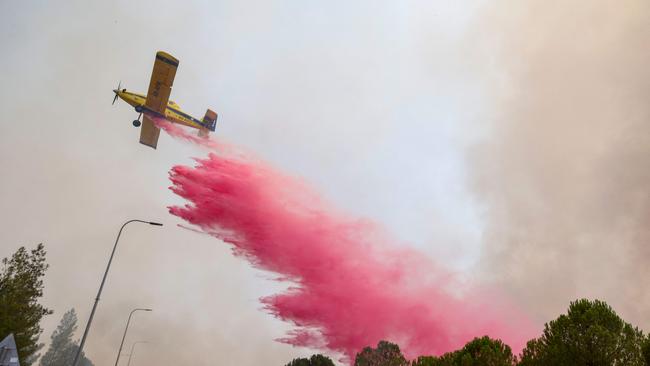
(173, 112)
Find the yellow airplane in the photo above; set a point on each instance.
(156, 103)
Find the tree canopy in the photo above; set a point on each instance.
(314, 360)
(482, 351)
(645, 349)
(386, 354)
(62, 348)
(21, 286)
(590, 334)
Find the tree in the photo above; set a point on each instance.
(590, 334)
(314, 360)
(386, 354)
(427, 361)
(62, 348)
(21, 286)
(478, 352)
(645, 349)
(481, 352)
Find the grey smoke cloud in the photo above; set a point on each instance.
(563, 173)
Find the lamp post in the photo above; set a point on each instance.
(125, 329)
(101, 287)
(132, 349)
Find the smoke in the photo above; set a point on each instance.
(349, 287)
(563, 173)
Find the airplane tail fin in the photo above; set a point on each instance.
(210, 120)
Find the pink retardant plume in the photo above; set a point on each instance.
(180, 133)
(351, 287)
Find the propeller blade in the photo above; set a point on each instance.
(116, 91)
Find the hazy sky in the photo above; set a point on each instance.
(440, 120)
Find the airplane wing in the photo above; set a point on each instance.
(160, 86)
(149, 132)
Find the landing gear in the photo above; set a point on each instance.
(136, 122)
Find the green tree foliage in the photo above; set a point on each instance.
(645, 349)
(314, 360)
(483, 351)
(478, 352)
(386, 354)
(427, 361)
(62, 348)
(590, 334)
(21, 286)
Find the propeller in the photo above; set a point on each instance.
(116, 90)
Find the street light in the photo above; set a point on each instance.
(131, 354)
(125, 329)
(101, 287)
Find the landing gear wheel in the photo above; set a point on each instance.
(136, 123)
